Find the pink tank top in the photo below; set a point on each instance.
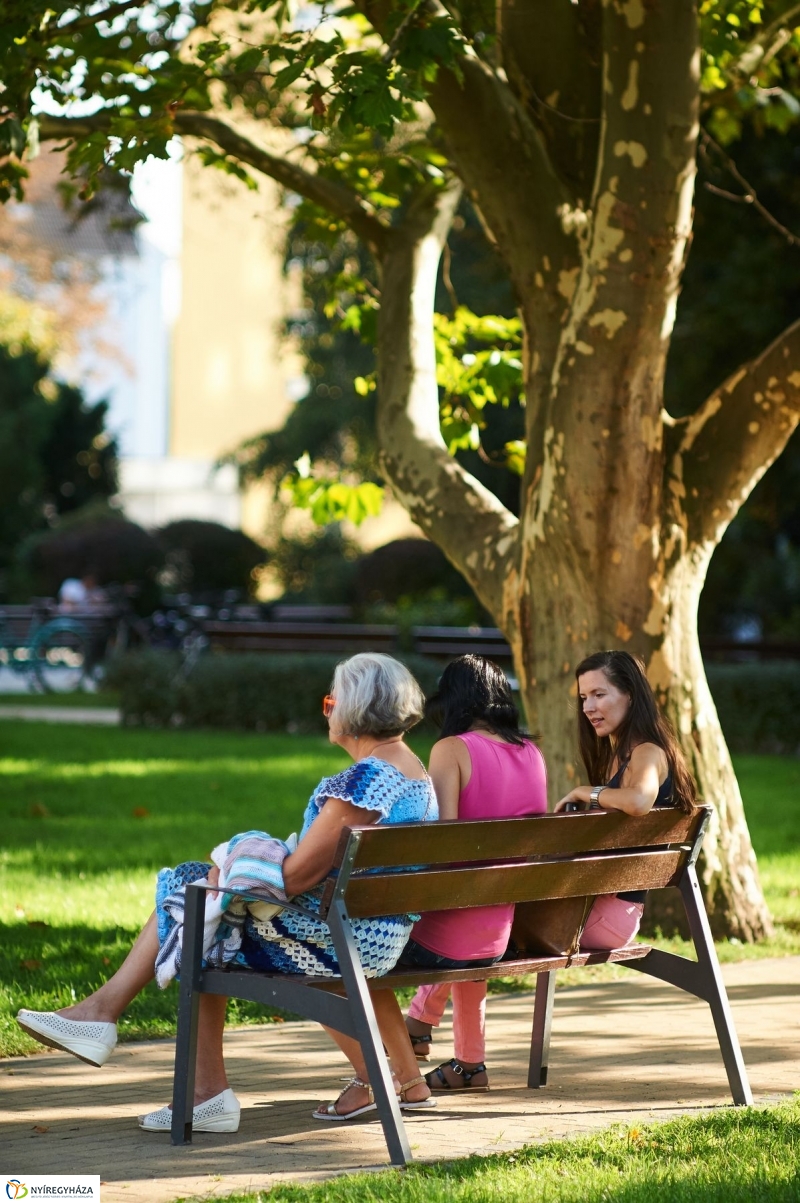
(507, 781)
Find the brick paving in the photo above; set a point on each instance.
(628, 1051)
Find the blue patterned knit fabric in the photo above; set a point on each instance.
(168, 882)
(292, 943)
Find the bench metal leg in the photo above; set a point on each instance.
(540, 1036)
(717, 995)
(368, 1036)
(188, 1010)
(703, 979)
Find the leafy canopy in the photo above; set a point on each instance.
(348, 103)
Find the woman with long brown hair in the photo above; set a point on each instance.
(634, 763)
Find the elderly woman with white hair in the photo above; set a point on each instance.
(374, 701)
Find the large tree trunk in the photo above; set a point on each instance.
(566, 624)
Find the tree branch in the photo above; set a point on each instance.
(722, 451)
(503, 162)
(339, 200)
(476, 532)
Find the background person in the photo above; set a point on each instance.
(483, 767)
(634, 762)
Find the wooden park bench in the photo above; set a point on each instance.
(446, 642)
(343, 638)
(415, 867)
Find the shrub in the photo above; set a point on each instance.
(99, 541)
(758, 705)
(258, 692)
(407, 568)
(207, 557)
(317, 568)
(148, 684)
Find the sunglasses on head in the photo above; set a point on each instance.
(328, 704)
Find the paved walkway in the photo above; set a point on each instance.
(630, 1051)
(104, 716)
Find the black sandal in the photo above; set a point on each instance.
(439, 1083)
(415, 1040)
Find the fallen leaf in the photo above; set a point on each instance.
(37, 923)
(30, 964)
(140, 812)
(106, 960)
(40, 1128)
(39, 811)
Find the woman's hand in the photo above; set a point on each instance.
(579, 796)
(213, 880)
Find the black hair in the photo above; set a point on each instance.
(472, 690)
(644, 723)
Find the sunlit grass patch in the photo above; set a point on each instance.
(741, 1155)
(90, 814)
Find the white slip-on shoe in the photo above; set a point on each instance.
(88, 1041)
(220, 1114)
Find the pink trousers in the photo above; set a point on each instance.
(612, 923)
(469, 1015)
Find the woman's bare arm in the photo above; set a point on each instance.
(447, 770)
(309, 865)
(646, 770)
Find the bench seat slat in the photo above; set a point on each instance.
(248, 980)
(540, 835)
(454, 888)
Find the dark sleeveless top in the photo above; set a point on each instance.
(663, 798)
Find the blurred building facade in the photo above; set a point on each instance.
(182, 331)
(181, 328)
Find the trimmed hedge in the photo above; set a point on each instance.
(758, 704)
(255, 692)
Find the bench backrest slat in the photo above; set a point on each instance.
(373, 894)
(543, 835)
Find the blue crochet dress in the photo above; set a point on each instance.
(293, 943)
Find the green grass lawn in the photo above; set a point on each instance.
(89, 814)
(736, 1156)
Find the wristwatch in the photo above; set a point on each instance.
(594, 796)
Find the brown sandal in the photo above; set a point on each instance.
(419, 1104)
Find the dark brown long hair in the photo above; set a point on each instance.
(644, 723)
(473, 689)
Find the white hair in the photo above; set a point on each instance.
(375, 695)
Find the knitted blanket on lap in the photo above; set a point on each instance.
(252, 861)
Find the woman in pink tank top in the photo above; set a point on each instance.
(483, 767)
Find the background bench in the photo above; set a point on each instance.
(415, 867)
(446, 642)
(340, 637)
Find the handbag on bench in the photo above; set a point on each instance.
(549, 927)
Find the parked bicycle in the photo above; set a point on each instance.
(54, 653)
